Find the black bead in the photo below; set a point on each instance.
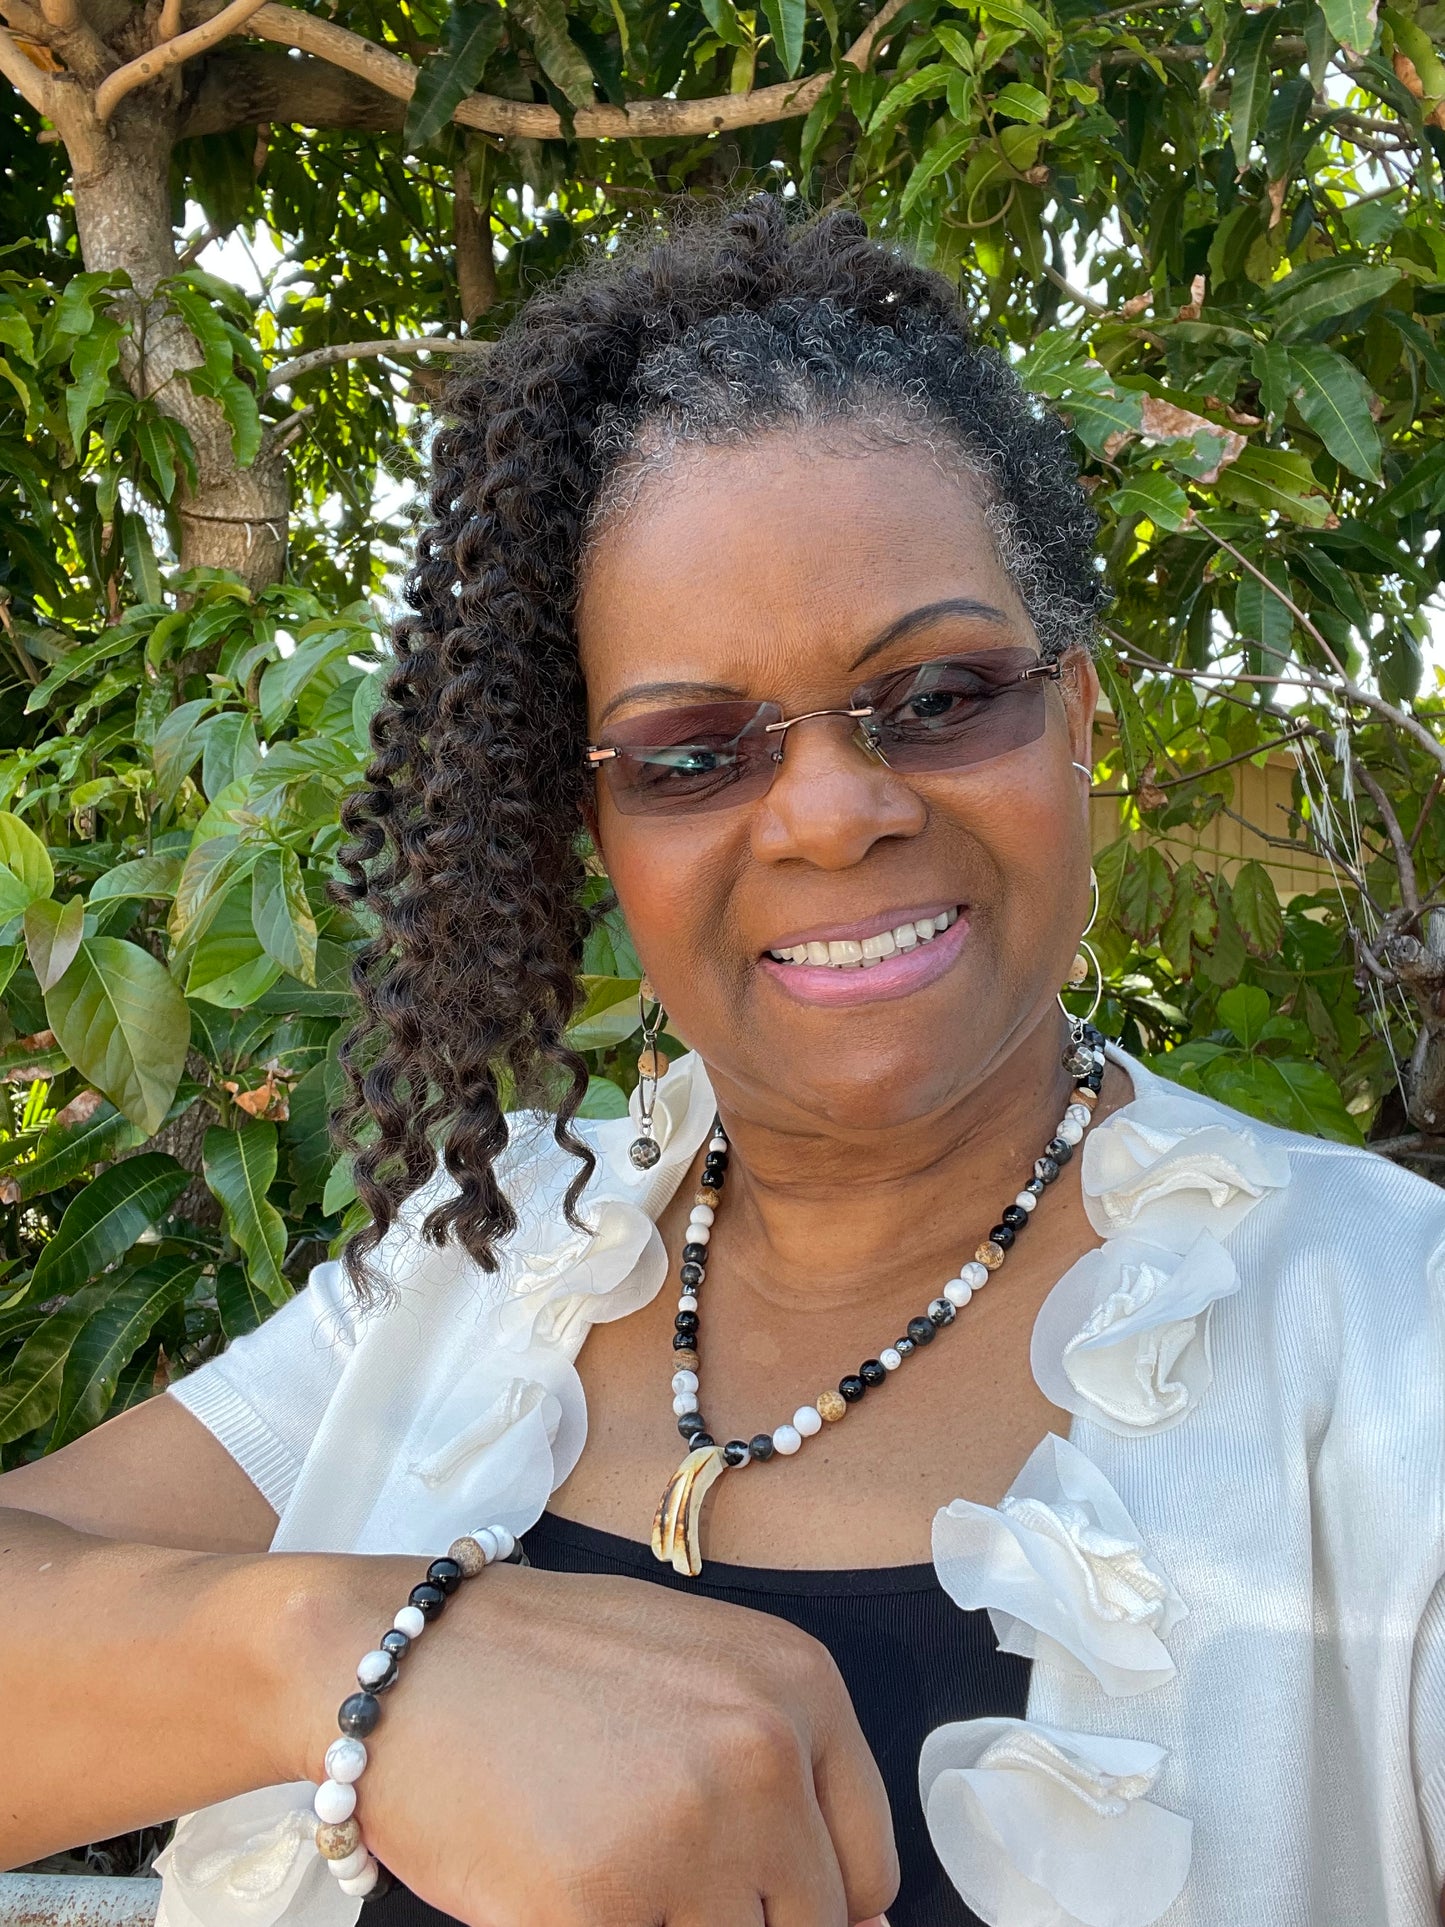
(761, 1447)
(396, 1643)
(903, 1346)
(691, 1276)
(427, 1598)
(359, 1714)
(691, 1422)
(1036, 1186)
(872, 1371)
(714, 1170)
(852, 1387)
(694, 1254)
(686, 1321)
(1003, 1236)
(445, 1573)
(921, 1330)
(1058, 1150)
(1014, 1216)
(384, 1884)
(683, 1341)
(1046, 1169)
(699, 1439)
(736, 1451)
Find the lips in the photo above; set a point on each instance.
(870, 951)
(870, 978)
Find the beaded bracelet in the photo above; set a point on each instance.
(338, 1833)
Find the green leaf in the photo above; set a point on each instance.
(1256, 908)
(1156, 497)
(26, 871)
(1261, 620)
(239, 1304)
(563, 63)
(32, 1386)
(229, 965)
(922, 83)
(1325, 291)
(340, 1188)
(155, 449)
(1249, 96)
(447, 76)
(1246, 1011)
(124, 1025)
(111, 1337)
(281, 915)
(94, 356)
(1021, 102)
(1146, 890)
(240, 1169)
(177, 745)
(206, 878)
(1277, 479)
(103, 1223)
(610, 1013)
(1286, 1091)
(603, 1099)
(786, 21)
(146, 877)
(140, 557)
(937, 161)
(284, 679)
(64, 1155)
(52, 936)
(1352, 22)
(1334, 398)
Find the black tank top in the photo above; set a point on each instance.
(909, 1657)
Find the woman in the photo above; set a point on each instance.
(1106, 1589)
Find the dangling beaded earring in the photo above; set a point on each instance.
(645, 1149)
(1081, 1054)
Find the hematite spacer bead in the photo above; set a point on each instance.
(872, 1371)
(690, 1423)
(1036, 1185)
(736, 1452)
(761, 1447)
(446, 1573)
(396, 1643)
(903, 1346)
(694, 1254)
(851, 1387)
(699, 1439)
(921, 1330)
(686, 1321)
(359, 1714)
(1046, 1169)
(1059, 1149)
(1003, 1235)
(1014, 1216)
(941, 1312)
(427, 1598)
(691, 1276)
(682, 1342)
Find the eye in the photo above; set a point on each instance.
(684, 765)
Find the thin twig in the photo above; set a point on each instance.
(1193, 776)
(1404, 862)
(160, 60)
(290, 372)
(1432, 797)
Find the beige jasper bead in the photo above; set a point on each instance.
(651, 1063)
(989, 1254)
(336, 1842)
(831, 1406)
(469, 1556)
(1083, 1095)
(707, 1195)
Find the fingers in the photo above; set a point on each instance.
(853, 1803)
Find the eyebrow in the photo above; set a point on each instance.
(906, 625)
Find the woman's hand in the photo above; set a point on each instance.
(567, 1751)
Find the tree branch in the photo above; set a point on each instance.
(160, 60)
(25, 78)
(290, 372)
(639, 119)
(1404, 861)
(244, 82)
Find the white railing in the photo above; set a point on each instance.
(76, 1900)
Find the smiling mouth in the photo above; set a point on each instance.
(850, 954)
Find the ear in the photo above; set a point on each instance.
(1080, 686)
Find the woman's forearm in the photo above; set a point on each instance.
(140, 1682)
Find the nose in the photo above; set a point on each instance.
(832, 799)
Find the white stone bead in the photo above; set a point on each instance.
(683, 1403)
(717, 1143)
(688, 1301)
(411, 1620)
(701, 1214)
(1026, 1201)
(684, 1381)
(1069, 1132)
(372, 1667)
(697, 1234)
(506, 1542)
(889, 1359)
(350, 1867)
(974, 1274)
(787, 1440)
(1080, 1114)
(957, 1292)
(345, 1760)
(335, 1801)
(361, 1884)
(807, 1421)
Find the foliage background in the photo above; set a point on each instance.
(1212, 234)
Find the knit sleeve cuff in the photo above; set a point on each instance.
(267, 1462)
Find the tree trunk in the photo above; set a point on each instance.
(234, 518)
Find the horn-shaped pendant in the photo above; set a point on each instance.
(677, 1529)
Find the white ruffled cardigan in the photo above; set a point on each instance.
(1229, 1575)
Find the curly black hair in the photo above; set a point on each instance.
(467, 837)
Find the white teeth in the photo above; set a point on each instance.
(843, 953)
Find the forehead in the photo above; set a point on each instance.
(776, 562)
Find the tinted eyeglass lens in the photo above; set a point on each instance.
(950, 714)
(701, 756)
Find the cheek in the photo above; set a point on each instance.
(673, 885)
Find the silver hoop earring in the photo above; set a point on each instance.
(1084, 770)
(1085, 960)
(645, 1150)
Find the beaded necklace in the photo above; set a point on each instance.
(677, 1528)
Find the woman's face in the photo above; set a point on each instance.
(770, 572)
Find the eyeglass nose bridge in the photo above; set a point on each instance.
(866, 738)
